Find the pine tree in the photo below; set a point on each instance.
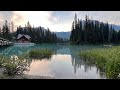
(110, 34)
(80, 32)
(75, 19)
(86, 29)
(118, 37)
(72, 33)
(3, 31)
(0, 33)
(114, 36)
(92, 32)
(106, 32)
(12, 26)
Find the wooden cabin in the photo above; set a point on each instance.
(22, 38)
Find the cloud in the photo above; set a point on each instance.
(59, 17)
(56, 20)
(5, 15)
(35, 17)
(105, 16)
(38, 18)
(61, 27)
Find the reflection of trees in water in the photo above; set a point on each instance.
(77, 62)
(48, 58)
(72, 49)
(102, 74)
(24, 49)
(101, 71)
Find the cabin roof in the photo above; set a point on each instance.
(21, 35)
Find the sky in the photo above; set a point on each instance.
(56, 20)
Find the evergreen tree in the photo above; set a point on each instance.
(3, 31)
(80, 31)
(118, 37)
(0, 33)
(94, 32)
(72, 33)
(86, 29)
(114, 36)
(6, 31)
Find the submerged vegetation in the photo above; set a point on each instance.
(107, 59)
(40, 53)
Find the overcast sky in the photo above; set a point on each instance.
(56, 20)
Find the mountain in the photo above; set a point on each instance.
(116, 27)
(65, 35)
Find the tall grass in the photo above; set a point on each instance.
(106, 58)
(40, 53)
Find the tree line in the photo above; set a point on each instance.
(37, 34)
(93, 32)
(5, 31)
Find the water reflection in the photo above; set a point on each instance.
(77, 62)
(65, 63)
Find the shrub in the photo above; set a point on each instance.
(15, 65)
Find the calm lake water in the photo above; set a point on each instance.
(64, 64)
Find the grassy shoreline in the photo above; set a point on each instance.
(107, 59)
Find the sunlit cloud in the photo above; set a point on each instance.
(56, 20)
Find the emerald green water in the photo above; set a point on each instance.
(64, 64)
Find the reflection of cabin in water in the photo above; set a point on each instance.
(22, 38)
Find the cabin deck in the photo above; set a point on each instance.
(4, 42)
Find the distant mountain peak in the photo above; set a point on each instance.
(64, 35)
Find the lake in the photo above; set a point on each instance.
(64, 64)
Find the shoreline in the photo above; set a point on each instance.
(22, 76)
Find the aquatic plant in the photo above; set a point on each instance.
(107, 58)
(40, 53)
